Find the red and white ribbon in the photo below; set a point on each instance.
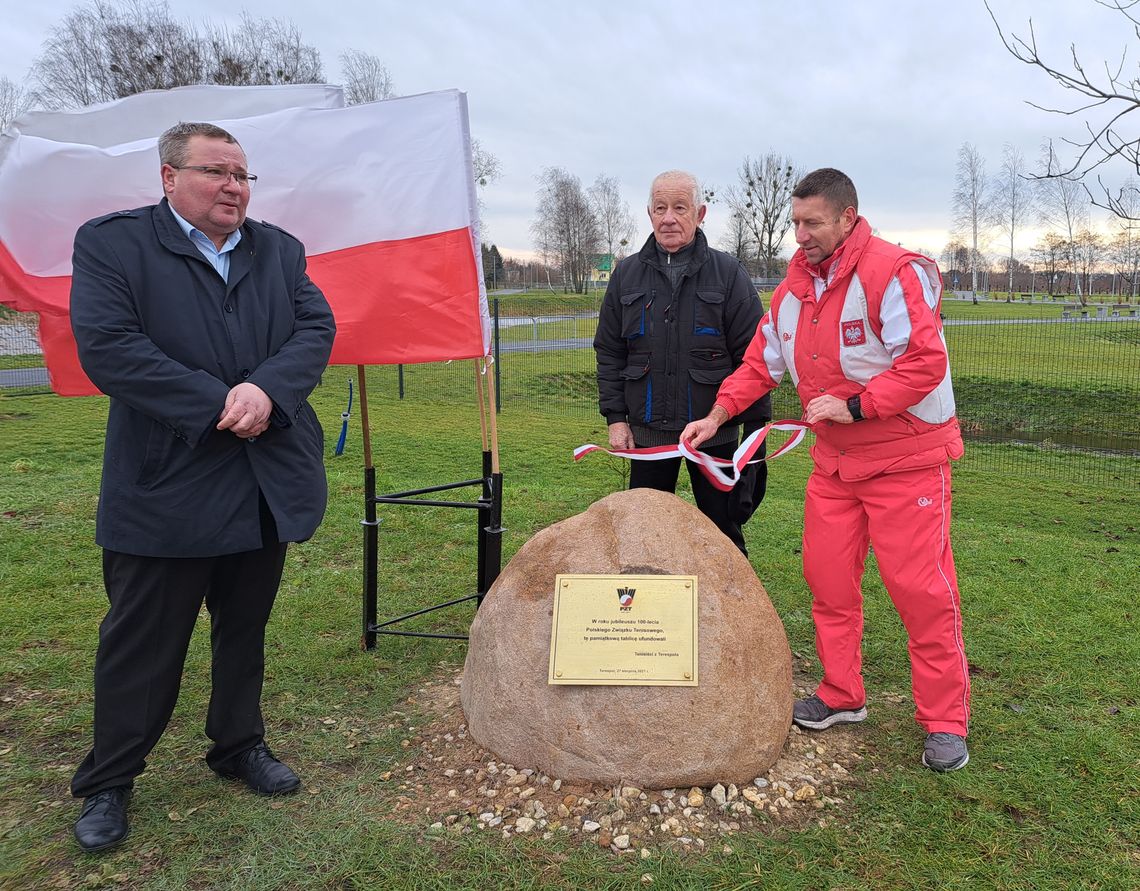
(722, 474)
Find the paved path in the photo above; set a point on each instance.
(13, 378)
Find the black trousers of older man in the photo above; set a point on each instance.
(143, 640)
(728, 510)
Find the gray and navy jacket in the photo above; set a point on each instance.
(663, 351)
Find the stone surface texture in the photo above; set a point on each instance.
(731, 728)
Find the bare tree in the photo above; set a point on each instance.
(1105, 100)
(612, 212)
(485, 165)
(1062, 203)
(366, 78)
(1051, 252)
(566, 231)
(14, 101)
(1089, 252)
(738, 240)
(972, 204)
(1013, 200)
(955, 260)
(261, 52)
(1124, 248)
(486, 168)
(763, 200)
(105, 51)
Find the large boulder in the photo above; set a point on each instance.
(730, 728)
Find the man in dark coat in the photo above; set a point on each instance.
(675, 321)
(207, 334)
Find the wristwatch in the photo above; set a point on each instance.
(854, 407)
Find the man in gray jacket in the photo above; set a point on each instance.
(206, 332)
(675, 322)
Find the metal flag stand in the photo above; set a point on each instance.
(488, 507)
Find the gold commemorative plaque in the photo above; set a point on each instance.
(624, 629)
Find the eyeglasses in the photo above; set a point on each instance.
(220, 175)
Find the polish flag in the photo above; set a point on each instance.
(382, 195)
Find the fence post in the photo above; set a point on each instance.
(400, 379)
(498, 363)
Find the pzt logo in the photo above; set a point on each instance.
(853, 334)
(923, 501)
(787, 337)
(625, 598)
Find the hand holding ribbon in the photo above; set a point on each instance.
(722, 474)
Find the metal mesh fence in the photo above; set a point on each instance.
(1056, 385)
(21, 359)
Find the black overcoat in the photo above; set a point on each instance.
(162, 334)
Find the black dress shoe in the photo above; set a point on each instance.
(263, 773)
(102, 822)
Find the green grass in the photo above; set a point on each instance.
(1051, 798)
(1042, 307)
(1065, 385)
(544, 302)
(539, 331)
(22, 360)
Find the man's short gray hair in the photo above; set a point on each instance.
(174, 144)
(682, 178)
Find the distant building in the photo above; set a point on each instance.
(601, 267)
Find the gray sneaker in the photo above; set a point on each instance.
(815, 714)
(945, 751)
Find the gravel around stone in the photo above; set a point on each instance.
(449, 784)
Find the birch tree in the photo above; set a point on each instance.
(1063, 204)
(566, 230)
(612, 212)
(1013, 200)
(972, 204)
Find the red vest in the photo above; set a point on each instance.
(832, 341)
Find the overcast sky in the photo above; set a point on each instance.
(886, 90)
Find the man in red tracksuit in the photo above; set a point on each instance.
(856, 323)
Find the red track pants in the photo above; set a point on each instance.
(906, 517)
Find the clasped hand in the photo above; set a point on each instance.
(246, 412)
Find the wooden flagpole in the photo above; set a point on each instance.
(479, 394)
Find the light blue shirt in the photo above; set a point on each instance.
(219, 259)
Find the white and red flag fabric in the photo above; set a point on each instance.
(381, 194)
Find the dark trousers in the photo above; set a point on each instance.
(728, 510)
(142, 647)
